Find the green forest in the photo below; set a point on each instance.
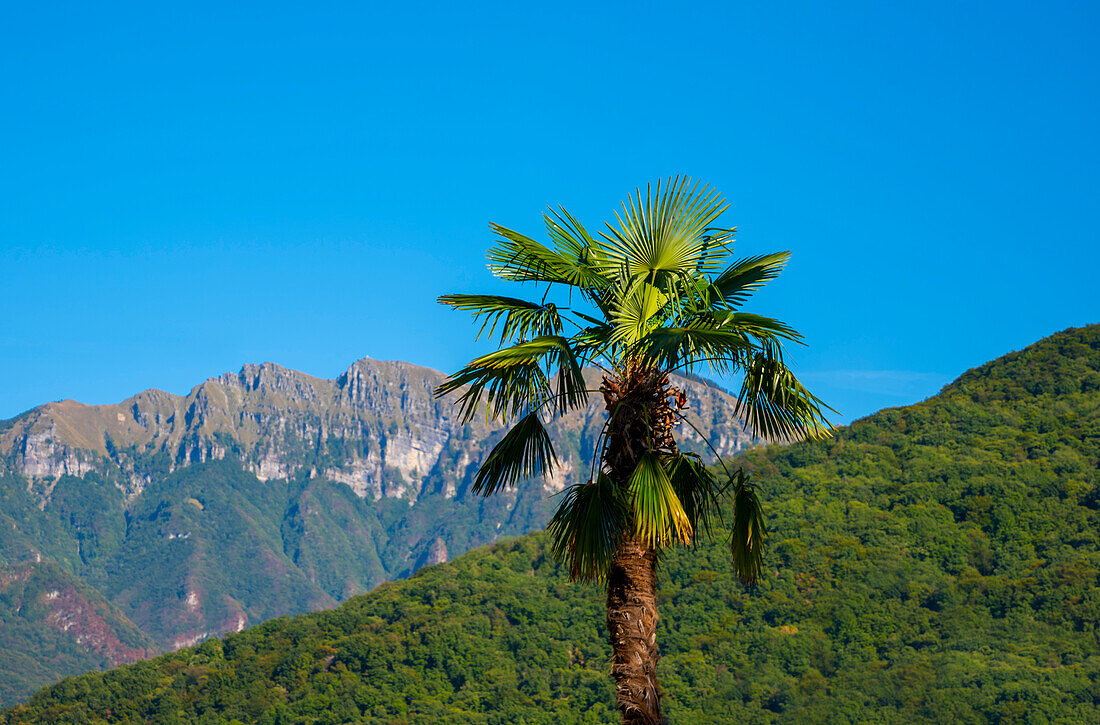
(933, 563)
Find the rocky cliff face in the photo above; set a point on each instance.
(377, 428)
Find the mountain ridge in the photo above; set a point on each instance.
(71, 438)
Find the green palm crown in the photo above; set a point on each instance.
(657, 291)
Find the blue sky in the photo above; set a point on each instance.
(186, 189)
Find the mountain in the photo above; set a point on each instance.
(933, 563)
(265, 493)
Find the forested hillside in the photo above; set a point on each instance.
(935, 563)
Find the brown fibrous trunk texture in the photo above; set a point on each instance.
(632, 629)
(642, 405)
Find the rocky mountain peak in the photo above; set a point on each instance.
(378, 428)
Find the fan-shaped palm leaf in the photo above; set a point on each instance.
(515, 378)
(675, 347)
(572, 391)
(510, 379)
(521, 259)
(734, 286)
(775, 405)
(522, 319)
(749, 531)
(573, 241)
(768, 332)
(668, 231)
(634, 310)
(524, 451)
(659, 517)
(587, 526)
(698, 491)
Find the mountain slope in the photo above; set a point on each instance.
(269, 492)
(44, 610)
(935, 563)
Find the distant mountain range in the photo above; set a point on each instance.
(937, 563)
(166, 519)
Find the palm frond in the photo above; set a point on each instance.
(573, 240)
(697, 489)
(749, 531)
(716, 332)
(659, 516)
(775, 405)
(680, 296)
(524, 451)
(521, 259)
(676, 347)
(511, 380)
(521, 319)
(765, 329)
(591, 343)
(587, 526)
(516, 378)
(633, 311)
(572, 390)
(738, 281)
(670, 230)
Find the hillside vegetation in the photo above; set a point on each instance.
(934, 563)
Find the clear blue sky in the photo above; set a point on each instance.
(187, 188)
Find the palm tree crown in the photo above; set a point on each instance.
(657, 291)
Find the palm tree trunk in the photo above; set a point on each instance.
(632, 625)
(642, 421)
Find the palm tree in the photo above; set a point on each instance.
(656, 292)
